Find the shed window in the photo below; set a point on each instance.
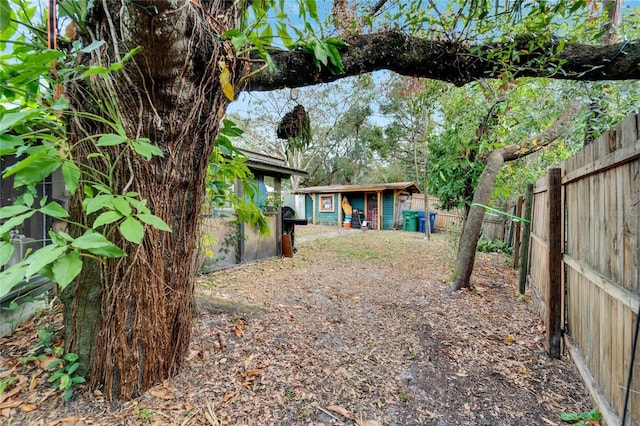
(326, 203)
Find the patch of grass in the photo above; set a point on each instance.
(356, 252)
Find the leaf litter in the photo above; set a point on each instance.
(355, 329)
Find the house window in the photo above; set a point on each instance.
(326, 203)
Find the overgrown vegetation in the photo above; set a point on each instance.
(488, 246)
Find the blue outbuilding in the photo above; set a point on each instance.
(379, 205)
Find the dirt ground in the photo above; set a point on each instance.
(355, 329)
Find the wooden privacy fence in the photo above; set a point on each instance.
(494, 227)
(584, 257)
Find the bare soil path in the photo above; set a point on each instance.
(355, 329)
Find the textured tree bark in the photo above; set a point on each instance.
(130, 319)
(453, 62)
(471, 231)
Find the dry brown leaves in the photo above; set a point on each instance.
(353, 330)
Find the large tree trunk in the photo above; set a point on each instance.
(130, 319)
(473, 223)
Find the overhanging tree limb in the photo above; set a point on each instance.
(456, 63)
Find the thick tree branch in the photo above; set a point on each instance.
(452, 62)
(544, 138)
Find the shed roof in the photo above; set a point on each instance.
(370, 187)
(269, 165)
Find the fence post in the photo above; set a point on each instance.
(554, 298)
(526, 234)
(516, 238)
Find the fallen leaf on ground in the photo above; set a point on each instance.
(27, 408)
(254, 372)
(10, 404)
(228, 396)
(160, 392)
(340, 410)
(8, 395)
(549, 422)
(70, 419)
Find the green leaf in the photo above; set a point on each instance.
(93, 46)
(229, 128)
(110, 251)
(239, 41)
(6, 251)
(68, 393)
(103, 188)
(320, 52)
(26, 198)
(15, 221)
(92, 205)
(53, 364)
(111, 139)
(42, 257)
(154, 221)
(54, 209)
(9, 120)
(267, 34)
(132, 230)
(11, 277)
(65, 381)
(122, 205)
(34, 169)
(97, 244)
(284, 35)
(9, 211)
(73, 367)
(9, 143)
(146, 149)
(336, 59)
(131, 53)
(90, 240)
(335, 42)
(5, 15)
(106, 218)
(312, 7)
(96, 69)
(66, 268)
(65, 236)
(71, 357)
(71, 176)
(234, 32)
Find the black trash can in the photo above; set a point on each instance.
(357, 217)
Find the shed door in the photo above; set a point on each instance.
(371, 208)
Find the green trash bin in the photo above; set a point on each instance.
(410, 220)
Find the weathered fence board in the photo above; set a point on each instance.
(601, 256)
